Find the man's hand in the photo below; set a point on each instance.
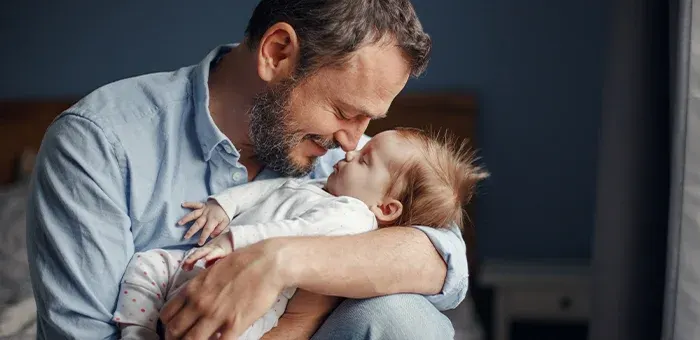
(304, 314)
(238, 289)
(227, 297)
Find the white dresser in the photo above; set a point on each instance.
(546, 291)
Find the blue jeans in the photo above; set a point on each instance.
(400, 316)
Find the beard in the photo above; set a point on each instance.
(274, 135)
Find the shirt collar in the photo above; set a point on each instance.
(208, 133)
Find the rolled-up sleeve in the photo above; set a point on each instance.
(450, 244)
(78, 231)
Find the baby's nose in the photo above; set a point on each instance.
(349, 156)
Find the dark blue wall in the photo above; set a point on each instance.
(535, 65)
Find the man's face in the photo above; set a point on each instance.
(293, 123)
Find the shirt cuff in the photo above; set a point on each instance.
(451, 247)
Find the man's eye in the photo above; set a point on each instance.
(340, 114)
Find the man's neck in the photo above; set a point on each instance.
(233, 84)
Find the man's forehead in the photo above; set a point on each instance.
(383, 71)
(375, 73)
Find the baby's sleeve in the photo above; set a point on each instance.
(331, 217)
(246, 196)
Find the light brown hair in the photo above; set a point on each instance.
(434, 186)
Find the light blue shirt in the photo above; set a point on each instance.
(109, 180)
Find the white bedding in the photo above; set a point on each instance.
(17, 307)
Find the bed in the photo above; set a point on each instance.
(22, 125)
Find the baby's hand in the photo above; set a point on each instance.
(217, 248)
(210, 216)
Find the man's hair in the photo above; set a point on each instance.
(435, 185)
(329, 31)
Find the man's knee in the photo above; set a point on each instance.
(400, 316)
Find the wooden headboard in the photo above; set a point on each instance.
(454, 112)
(22, 126)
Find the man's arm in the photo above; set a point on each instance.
(79, 241)
(304, 315)
(385, 261)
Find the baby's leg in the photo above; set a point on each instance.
(269, 320)
(143, 290)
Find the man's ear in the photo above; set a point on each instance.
(278, 53)
(388, 211)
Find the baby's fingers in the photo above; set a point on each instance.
(197, 255)
(199, 224)
(214, 254)
(210, 226)
(219, 229)
(193, 205)
(190, 216)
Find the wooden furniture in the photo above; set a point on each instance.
(536, 292)
(22, 126)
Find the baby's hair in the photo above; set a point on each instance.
(435, 185)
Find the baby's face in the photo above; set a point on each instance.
(366, 174)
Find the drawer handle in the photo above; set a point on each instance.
(565, 302)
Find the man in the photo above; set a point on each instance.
(309, 77)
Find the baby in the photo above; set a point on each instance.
(401, 177)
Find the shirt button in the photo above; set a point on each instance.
(228, 148)
(237, 176)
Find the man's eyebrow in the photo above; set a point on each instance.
(373, 116)
(362, 110)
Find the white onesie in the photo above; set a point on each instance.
(258, 210)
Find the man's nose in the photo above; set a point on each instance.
(349, 138)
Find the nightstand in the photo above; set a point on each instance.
(538, 293)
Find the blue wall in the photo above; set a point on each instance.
(535, 65)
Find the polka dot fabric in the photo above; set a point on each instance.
(153, 277)
(145, 287)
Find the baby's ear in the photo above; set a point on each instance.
(388, 211)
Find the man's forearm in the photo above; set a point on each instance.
(385, 261)
(303, 316)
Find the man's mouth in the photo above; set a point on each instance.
(325, 143)
(321, 149)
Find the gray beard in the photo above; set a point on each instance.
(273, 135)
